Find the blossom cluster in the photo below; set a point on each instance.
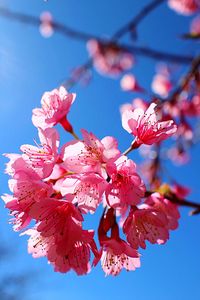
(184, 7)
(53, 187)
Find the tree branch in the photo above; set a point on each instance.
(77, 34)
(82, 36)
(195, 64)
(137, 19)
(156, 54)
(35, 21)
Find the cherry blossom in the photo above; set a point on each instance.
(159, 202)
(136, 103)
(21, 218)
(117, 255)
(180, 190)
(129, 83)
(195, 26)
(184, 130)
(76, 258)
(178, 155)
(42, 159)
(146, 223)
(108, 58)
(56, 187)
(87, 190)
(68, 245)
(125, 186)
(46, 26)
(192, 108)
(15, 163)
(55, 106)
(146, 127)
(184, 7)
(91, 154)
(161, 85)
(27, 191)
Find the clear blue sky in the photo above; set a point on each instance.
(30, 65)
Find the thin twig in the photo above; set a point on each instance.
(82, 36)
(176, 200)
(185, 79)
(156, 54)
(35, 21)
(137, 19)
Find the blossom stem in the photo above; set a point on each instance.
(74, 135)
(133, 146)
(66, 125)
(127, 151)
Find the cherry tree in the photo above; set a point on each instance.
(53, 186)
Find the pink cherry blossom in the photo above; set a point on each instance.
(129, 83)
(146, 223)
(87, 190)
(27, 191)
(136, 103)
(57, 189)
(108, 58)
(146, 127)
(184, 7)
(46, 26)
(57, 173)
(67, 246)
(89, 155)
(192, 108)
(158, 202)
(42, 159)
(21, 219)
(38, 245)
(195, 26)
(178, 155)
(184, 130)
(13, 160)
(125, 186)
(55, 106)
(161, 85)
(148, 169)
(77, 258)
(180, 190)
(173, 109)
(27, 188)
(116, 255)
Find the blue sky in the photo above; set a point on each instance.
(30, 65)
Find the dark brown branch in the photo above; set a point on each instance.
(137, 19)
(34, 21)
(68, 84)
(182, 202)
(77, 34)
(191, 36)
(82, 36)
(156, 54)
(186, 79)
